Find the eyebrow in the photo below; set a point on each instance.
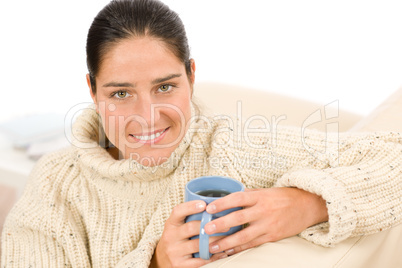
(116, 84)
(155, 81)
(166, 78)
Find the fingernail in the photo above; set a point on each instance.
(200, 206)
(214, 248)
(211, 208)
(210, 227)
(223, 256)
(229, 251)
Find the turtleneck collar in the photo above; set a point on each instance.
(88, 131)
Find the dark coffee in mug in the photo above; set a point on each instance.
(213, 193)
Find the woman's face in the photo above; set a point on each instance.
(143, 95)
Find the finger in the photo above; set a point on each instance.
(242, 237)
(181, 211)
(184, 250)
(253, 243)
(215, 238)
(192, 246)
(189, 247)
(238, 199)
(191, 262)
(188, 230)
(236, 218)
(251, 190)
(218, 256)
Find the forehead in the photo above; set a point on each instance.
(140, 57)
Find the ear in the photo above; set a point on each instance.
(93, 96)
(192, 76)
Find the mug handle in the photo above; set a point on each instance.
(204, 237)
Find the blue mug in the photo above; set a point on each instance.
(208, 189)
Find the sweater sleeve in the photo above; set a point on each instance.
(141, 256)
(361, 183)
(359, 175)
(39, 231)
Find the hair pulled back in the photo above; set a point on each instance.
(122, 19)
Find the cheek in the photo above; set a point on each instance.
(104, 114)
(186, 108)
(180, 112)
(111, 118)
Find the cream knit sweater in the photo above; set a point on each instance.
(82, 208)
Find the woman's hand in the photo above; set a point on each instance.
(272, 214)
(174, 248)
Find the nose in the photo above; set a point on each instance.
(147, 111)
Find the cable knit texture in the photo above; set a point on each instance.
(82, 208)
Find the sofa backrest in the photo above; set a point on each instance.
(251, 104)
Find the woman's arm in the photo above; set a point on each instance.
(358, 176)
(38, 231)
(362, 187)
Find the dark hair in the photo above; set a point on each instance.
(122, 19)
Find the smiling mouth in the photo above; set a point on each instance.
(149, 137)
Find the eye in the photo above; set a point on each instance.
(165, 88)
(121, 94)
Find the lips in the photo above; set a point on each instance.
(150, 136)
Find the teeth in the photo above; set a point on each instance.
(147, 138)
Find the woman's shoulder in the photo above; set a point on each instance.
(47, 185)
(222, 126)
(54, 166)
(50, 159)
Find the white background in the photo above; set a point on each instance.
(322, 51)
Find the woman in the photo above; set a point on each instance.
(115, 199)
